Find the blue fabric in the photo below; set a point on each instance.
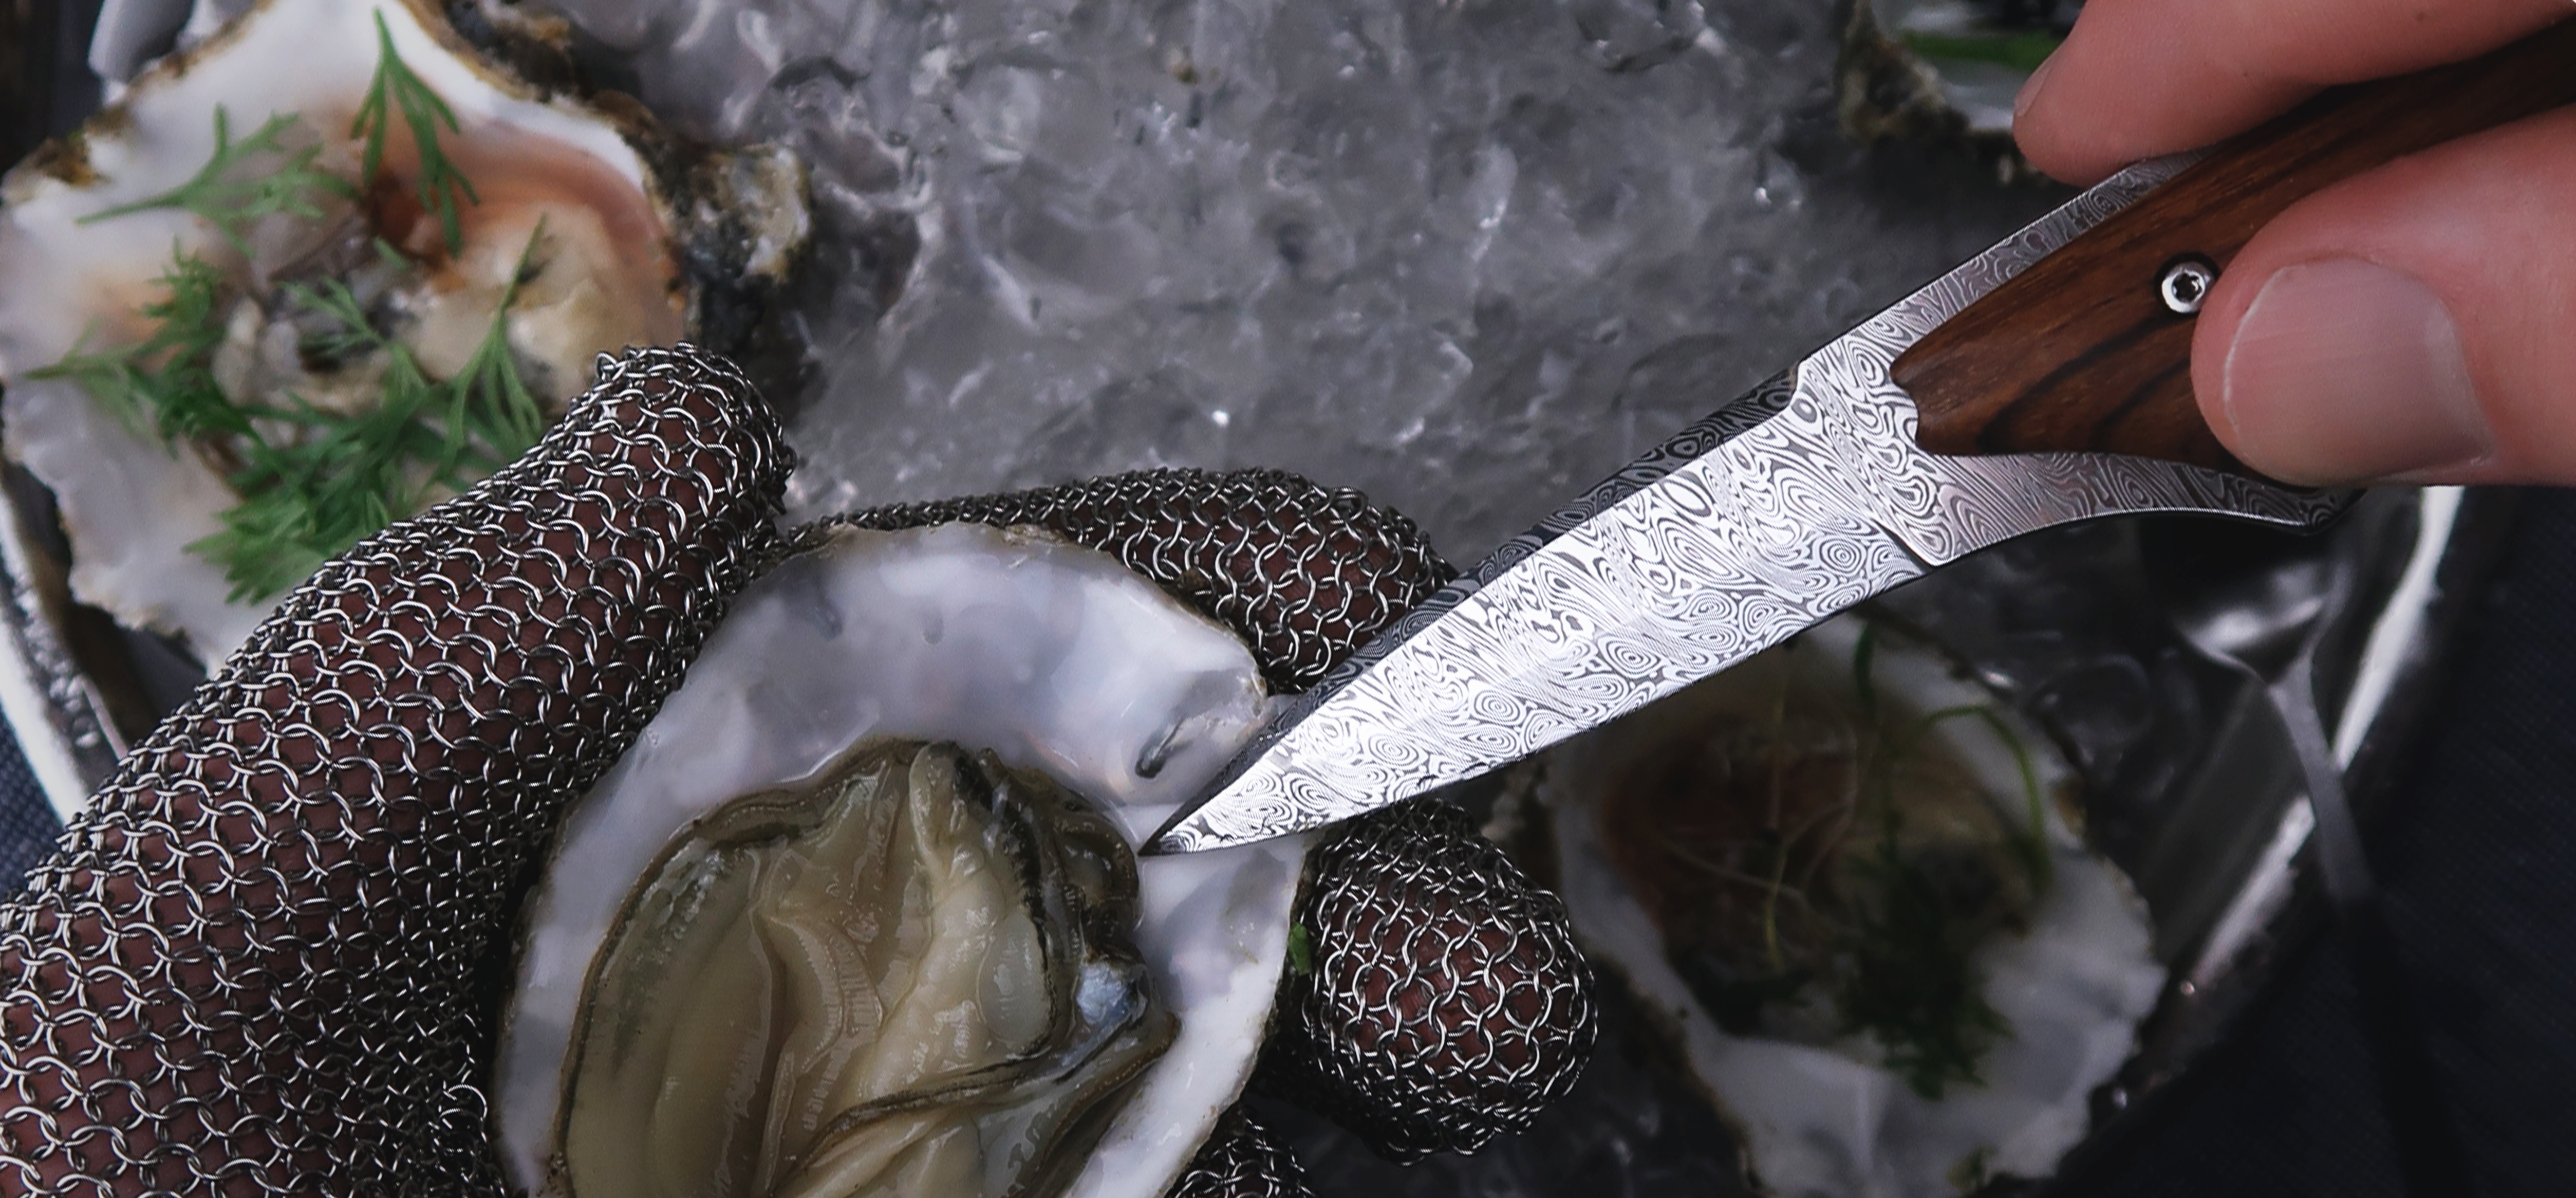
(27, 823)
(2477, 864)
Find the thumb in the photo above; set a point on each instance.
(2411, 323)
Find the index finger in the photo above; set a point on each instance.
(2139, 78)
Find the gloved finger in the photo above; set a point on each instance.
(257, 964)
(1304, 574)
(1445, 1002)
(2139, 78)
(1242, 1159)
(2408, 323)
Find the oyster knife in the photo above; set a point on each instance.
(2045, 381)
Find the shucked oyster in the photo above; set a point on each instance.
(911, 978)
(321, 269)
(794, 944)
(1052, 656)
(1845, 879)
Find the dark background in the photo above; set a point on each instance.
(2475, 847)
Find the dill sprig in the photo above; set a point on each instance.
(394, 88)
(341, 476)
(312, 481)
(306, 498)
(230, 197)
(2031, 841)
(488, 399)
(1913, 984)
(165, 384)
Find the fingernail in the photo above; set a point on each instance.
(2030, 88)
(2345, 370)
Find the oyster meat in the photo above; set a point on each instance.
(1847, 881)
(910, 978)
(216, 291)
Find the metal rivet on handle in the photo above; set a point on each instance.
(2186, 283)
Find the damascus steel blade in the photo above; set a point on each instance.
(1790, 504)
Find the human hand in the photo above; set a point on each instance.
(266, 960)
(2410, 323)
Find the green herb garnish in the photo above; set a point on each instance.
(227, 195)
(1865, 671)
(1974, 1170)
(488, 399)
(339, 476)
(306, 498)
(313, 480)
(395, 87)
(1912, 985)
(2032, 843)
(2022, 51)
(166, 384)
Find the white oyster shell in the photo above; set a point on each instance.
(132, 506)
(1831, 1121)
(1054, 657)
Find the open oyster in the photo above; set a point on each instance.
(1049, 655)
(910, 978)
(321, 269)
(797, 943)
(1846, 880)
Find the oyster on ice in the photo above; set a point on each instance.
(1845, 879)
(323, 268)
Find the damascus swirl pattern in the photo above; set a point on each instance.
(1805, 497)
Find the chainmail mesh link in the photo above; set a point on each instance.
(263, 961)
(1446, 1001)
(1303, 573)
(1241, 1159)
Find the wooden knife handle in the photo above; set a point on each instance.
(2082, 351)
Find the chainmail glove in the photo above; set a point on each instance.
(267, 960)
(263, 961)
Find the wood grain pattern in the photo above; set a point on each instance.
(2079, 351)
